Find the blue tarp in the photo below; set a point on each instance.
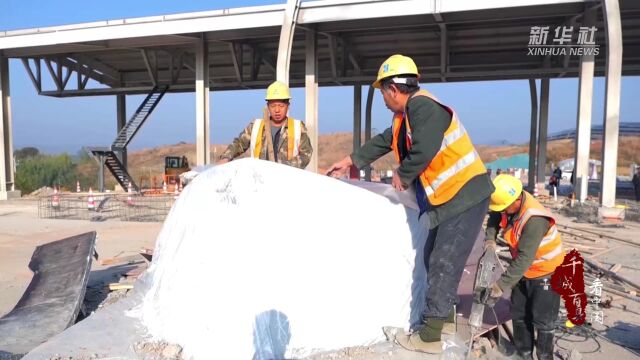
(519, 161)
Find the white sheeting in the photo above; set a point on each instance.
(259, 260)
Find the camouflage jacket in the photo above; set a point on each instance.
(242, 143)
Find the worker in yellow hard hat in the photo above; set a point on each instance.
(276, 137)
(435, 156)
(536, 248)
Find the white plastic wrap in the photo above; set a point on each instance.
(259, 260)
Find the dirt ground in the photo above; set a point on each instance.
(21, 231)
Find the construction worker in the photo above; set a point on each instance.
(530, 231)
(436, 156)
(288, 142)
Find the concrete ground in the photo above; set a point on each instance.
(21, 231)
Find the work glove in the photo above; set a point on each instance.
(490, 244)
(491, 295)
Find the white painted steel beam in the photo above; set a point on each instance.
(246, 17)
(203, 144)
(613, 26)
(583, 120)
(185, 23)
(7, 176)
(289, 20)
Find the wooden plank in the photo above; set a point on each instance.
(121, 260)
(135, 272)
(604, 251)
(630, 242)
(119, 286)
(615, 268)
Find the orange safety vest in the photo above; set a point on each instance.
(549, 254)
(294, 133)
(452, 167)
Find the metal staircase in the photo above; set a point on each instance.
(109, 156)
(145, 109)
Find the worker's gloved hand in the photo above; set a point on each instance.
(490, 244)
(491, 295)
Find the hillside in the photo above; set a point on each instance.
(333, 147)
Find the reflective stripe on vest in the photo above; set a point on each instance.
(294, 133)
(452, 167)
(549, 254)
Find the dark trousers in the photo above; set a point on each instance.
(534, 306)
(445, 256)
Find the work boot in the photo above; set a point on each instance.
(544, 345)
(413, 342)
(524, 356)
(450, 327)
(522, 339)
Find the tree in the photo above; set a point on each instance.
(43, 170)
(26, 152)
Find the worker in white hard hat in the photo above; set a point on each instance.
(536, 248)
(436, 157)
(275, 137)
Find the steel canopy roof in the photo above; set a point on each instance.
(453, 40)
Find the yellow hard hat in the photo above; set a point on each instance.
(396, 65)
(508, 189)
(278, 91)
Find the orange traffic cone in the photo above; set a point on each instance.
(55, 199)
(91, 204)
(176, 192)
(77, 186)
(129, 196)
(164, 187)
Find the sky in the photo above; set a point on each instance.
(492, 111)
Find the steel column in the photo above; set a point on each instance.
(121, 113)
(542, 130)
(367, 126)
(203, 145)
(613, 75)
(311, 96)
(583, 125)
(7, 176)
(286, 40)
(533, 135)
(357, 117)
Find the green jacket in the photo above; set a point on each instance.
(243, 142)
(528, 244)
(428, 121)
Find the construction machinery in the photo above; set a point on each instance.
(481, 292)
(173, 167)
